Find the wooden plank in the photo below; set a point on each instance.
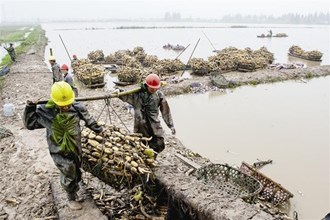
(188, 162)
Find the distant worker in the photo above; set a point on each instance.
(146, 103)
(56, 70)
(73, 61)
(61, 117)
(68, 78)
(271, 32)
(11, 51)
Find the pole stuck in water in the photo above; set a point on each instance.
(191, 55)
(65, 47)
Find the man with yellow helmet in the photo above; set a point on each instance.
(62, 108)
(56, 70)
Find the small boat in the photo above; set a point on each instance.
(178, 47)
(168, 46)
(119, 83)
(270, 36)
(317, 59)
(111, 67)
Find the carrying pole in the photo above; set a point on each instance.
(109, 96)
(182, 51)
(65, 47)
(51, 51)
(191, 55)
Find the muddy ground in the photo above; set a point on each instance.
(29, 183)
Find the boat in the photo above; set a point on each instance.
(168, 46)
(270, 36)
(119, 83)
(317, 59)
(178, 47)
(111, 67)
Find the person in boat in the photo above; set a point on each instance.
(270, 32)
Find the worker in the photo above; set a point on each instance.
(61, 117)
(11, 51)
(68, 78)
(146, 103)
(56, 70)
(271, 32)
(74, 62)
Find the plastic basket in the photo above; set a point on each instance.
(271, 191)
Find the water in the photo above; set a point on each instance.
(287, 122)
(81, 38)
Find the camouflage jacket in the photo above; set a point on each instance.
(146, 111)
(39, 116)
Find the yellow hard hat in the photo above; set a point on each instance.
(51, 58)
(62, 94)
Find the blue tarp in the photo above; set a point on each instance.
(4, 70)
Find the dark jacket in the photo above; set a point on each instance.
(36, 117)
(146, 111)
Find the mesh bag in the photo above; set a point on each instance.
(271, 191)
(230, 181)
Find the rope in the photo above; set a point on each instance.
(107, 102)
(119, 118)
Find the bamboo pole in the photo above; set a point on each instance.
(209, 41)
(93, 98)
(182, 51)
(65, 47)
(191, 55)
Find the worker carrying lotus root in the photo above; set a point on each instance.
(146, 103)
(61, 116)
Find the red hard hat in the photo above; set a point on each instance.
(64, 67)
(153, 81)
(74, 56)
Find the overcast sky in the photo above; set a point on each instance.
(74, 9)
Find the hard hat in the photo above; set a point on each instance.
(64, 67)
(51, 58)
(62, 93)
(153, 81)
(74, 56)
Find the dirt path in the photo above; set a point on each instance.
(28, 174)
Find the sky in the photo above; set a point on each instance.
(25, 10)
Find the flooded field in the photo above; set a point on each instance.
(81, 38)
(287, 122)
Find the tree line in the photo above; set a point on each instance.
(290, 18)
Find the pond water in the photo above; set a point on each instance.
(82, 38)
(287, 122)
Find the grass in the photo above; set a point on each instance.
(25, 44)
(12, 34)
